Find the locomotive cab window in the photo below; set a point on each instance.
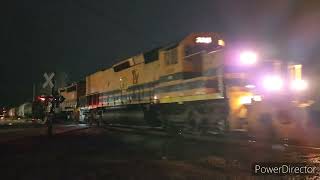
(171, 57)
(121, 66)
(151, 56)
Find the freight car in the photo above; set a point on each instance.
(12, 112)
(27, 110)
(24, 110)
(196, 85)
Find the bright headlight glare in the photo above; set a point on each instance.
(272, 83)
(248, 57)
(257, 98)
(299, 85)
(245, 100)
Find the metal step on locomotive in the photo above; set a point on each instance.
(196, 85)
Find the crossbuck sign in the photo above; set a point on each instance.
(48, 80)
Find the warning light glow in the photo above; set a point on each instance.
(42, 98)
(299, 85)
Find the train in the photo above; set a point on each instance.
(197, 85)
(22, 111)
(72, 94)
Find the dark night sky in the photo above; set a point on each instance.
(82, 36)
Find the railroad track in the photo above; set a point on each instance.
(225, 139)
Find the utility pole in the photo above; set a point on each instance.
(33, 92)
(51, 112)
(53, 101)
(50, 81)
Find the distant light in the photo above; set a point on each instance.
(42, 98)
(205, 40)
(299, 85)
(248, 57)
(221, 42)
(155, 97)
(250, 86)
(272, 83)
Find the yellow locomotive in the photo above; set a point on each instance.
(195, 85)
(175, 77)
(69, 105)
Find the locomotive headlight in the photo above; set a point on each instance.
(248, 57)
(299, 85)
(257, 98)
(272, 83)
(245, 100)
(221, 42)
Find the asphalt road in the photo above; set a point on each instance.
(100, 153)
(22, 131)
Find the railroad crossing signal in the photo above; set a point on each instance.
(48, 80)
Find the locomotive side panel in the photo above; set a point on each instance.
(70, 95)
(194, 76)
